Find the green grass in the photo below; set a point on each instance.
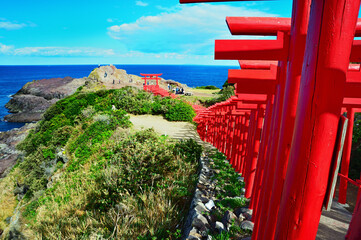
(114, 183)
(210, 87)
(227, 177)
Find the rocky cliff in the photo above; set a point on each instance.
(8, 141)
(31, 101)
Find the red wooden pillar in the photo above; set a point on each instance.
(250, 140)
(236, 138)
(346, 156)
(328, 46)
(244, 143)
(240, 145)
(248, 156)
(231, 134)
(222, 129)
(268, 175)
(299, 25)
(225, 123)
(261, 157)
(218, 126)
(212, 124)
(254, 152)
(226, 130)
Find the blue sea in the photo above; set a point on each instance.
(12, 78)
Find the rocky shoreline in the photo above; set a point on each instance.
(8, 141)
(34, 98)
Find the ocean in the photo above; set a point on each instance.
(12, 78)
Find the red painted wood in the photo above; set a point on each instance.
(251, 49)
(266, 26)
(235, 140)
(300, 17)
(245, 106)
(254, 64)
(254, 153)
(261, 157)
(249, 146)
(267, 167)
(240, 148)
(356, 51)
(353, 84)
(230, 136)
(346, 156)
(244, 143)
(328, 47)
(151, 74)
(270, 172)
(354, 103)
(252, 97)
(254, 81)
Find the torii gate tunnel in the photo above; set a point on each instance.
(280, 130)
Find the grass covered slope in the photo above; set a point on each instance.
(87, 174)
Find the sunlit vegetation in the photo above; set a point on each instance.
(87, 174)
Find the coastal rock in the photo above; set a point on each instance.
(247, 225)
(219, 227)
(228, 218)
(8, 141)
(200, 222)
(209, 205)
(109, 74)
(32, 100)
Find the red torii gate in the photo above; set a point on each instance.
(150, 76)
(155, 89)
(309, 134)
(262, 50)
(241, 25)
(271, 31)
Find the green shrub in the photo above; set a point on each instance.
(210, 87)
(226, 92)
(180, 111)
(189, 149)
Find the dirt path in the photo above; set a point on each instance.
(177, 130)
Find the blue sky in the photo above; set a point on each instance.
(40, 32)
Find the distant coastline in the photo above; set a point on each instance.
(13, 77)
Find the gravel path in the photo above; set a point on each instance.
(177, 130)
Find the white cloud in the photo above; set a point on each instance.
(189, 29)
(4, 49)
(110, 20)
(4, 24)
(141, 3)
(55, 51)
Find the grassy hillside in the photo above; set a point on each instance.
(86, 174)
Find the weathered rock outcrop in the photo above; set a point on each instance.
(8, 141)
(32, 100)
